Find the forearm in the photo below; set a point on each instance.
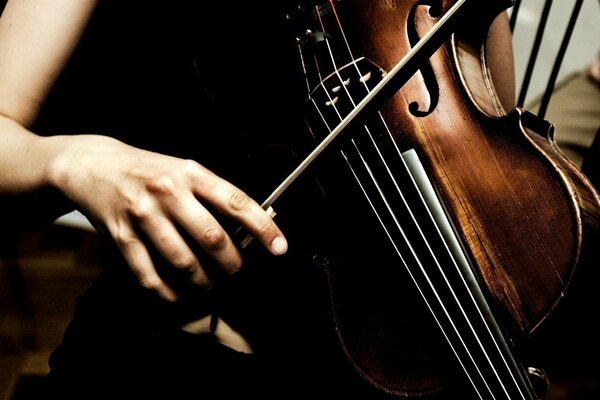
(37, 38)
(22, 161)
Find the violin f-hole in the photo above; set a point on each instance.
(427, 73)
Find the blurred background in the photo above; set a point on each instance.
(43, 271)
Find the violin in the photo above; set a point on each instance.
(460, 228)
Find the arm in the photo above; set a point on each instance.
(35, 43)
(139, 198)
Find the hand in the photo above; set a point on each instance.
(593, 71)
(143, 199)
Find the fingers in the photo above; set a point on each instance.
(208, 233)
(234, 203)
(137, 257)
(173, 206)
(174, 249)
(160, 233)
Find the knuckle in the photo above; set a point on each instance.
(235, 266)
(191, 168)
(142, 209)
(125, 238)
(150, 282)
(163, 185)
(214, 238)
(184, 262)
(266, 227)
(239, 201)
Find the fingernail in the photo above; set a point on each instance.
(279, 245)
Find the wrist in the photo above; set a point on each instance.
(60, 155)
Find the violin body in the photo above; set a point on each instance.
(524, 216)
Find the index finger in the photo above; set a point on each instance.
(236, 204)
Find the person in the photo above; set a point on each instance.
(141, 113)
(573, 109)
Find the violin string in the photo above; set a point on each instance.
(397, 223)
(399, 190)
(416, 258)
(399, 227)
(332, 102)
(395, 77)
(470, 294)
